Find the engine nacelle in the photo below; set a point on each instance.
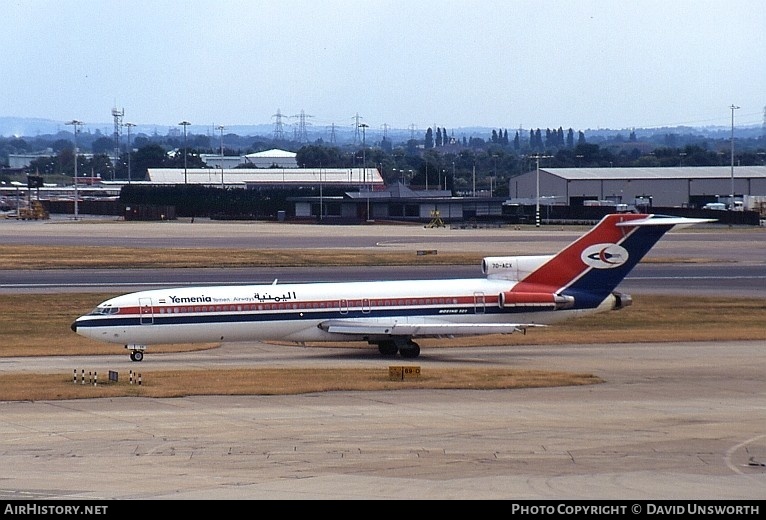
(621, 300)
(510, 299)
(514, 268)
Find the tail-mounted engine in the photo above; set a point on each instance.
(621, 300)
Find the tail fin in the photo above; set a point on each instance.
(591, 267)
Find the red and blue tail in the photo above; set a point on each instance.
(591, 268)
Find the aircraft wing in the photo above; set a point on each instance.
(361, 327)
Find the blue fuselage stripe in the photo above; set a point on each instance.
(292, 315)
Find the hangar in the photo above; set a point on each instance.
(692, 186)
(274, 158)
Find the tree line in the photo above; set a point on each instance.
(437, 160)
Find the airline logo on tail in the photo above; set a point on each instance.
(602, 248)
(604, 256)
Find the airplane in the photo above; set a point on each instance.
(517, 293)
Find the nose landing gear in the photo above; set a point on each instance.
(136, 352)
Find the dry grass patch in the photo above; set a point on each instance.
(97, 257)
(265, 381)
(38, 325)
(91, 257)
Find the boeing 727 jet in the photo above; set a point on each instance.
(516, 293)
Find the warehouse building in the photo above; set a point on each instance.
(664, 187)
(274, 158)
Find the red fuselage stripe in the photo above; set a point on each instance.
(377, 303)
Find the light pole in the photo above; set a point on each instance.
(184, 124)
(453, 177)
(731, 201)
(221, 128)
(364, 126)
(76, 124)
(537, 194)
(537, 190)
(129, 125)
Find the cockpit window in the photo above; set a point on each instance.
(100, 311)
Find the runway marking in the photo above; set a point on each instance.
(736, 447)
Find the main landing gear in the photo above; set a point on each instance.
(406, 348)
(136, 352)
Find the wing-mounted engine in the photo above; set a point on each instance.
(514, 268)
(511, 299)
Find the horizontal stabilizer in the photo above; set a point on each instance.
(661, 220)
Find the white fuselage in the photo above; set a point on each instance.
(298, 312)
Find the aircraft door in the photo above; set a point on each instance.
(146, 311)
(343, 306)
(479, 303)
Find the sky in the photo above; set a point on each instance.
(404, 64)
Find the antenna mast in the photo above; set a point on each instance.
(117, 115)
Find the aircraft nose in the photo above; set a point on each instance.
(74, 326)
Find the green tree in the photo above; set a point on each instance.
(100, 164)
(313, 156)
(429, 142)
(103, 145)
(50, 165)
(150, 156)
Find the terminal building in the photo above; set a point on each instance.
(254, 178)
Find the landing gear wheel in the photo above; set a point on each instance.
(136, 355)
(387, 348)
(410, 350)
